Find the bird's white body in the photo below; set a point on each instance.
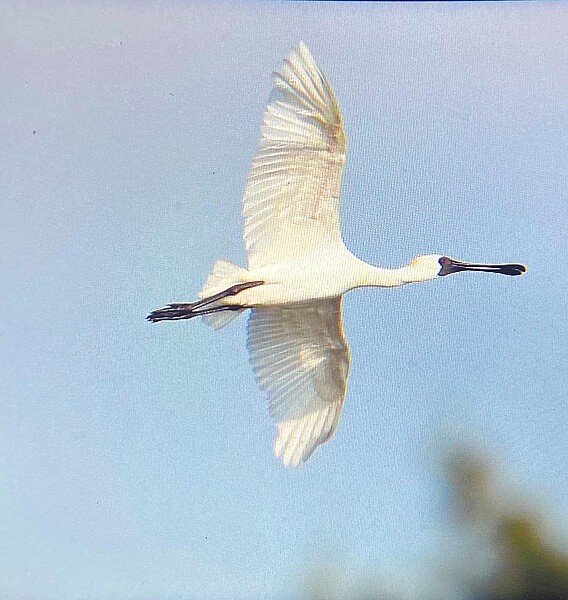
(322, 274)
(298, 266)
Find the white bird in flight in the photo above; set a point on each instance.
(298, 266)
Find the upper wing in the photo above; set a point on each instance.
(291, 200)
(301, 360)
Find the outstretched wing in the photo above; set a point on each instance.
(291, 200)
(301, 360)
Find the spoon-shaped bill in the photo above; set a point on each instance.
(449, 266)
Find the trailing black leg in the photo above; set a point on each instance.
(232, 291)
(188, 310)
(176, 312)
(172, 312)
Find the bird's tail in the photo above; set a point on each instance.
(225, 280)
(223, 275)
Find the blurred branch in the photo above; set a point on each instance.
(528, 567)
(498, 549)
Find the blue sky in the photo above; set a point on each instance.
(135, 459)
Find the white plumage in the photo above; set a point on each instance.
(291, 200)
(298, 265)
(301, 361)
(291, 209)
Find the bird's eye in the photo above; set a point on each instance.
(442, 260)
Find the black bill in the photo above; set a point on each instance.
(449, 266)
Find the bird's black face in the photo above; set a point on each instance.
(449, 266)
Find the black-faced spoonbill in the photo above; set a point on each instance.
(298, 266)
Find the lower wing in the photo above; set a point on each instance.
(301, 360)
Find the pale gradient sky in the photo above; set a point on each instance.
(135, 460)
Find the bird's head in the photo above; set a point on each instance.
(434, 265)
(425, 268)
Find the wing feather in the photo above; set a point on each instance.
(301, 360)
(291, 200)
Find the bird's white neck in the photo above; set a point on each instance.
(370, 276)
